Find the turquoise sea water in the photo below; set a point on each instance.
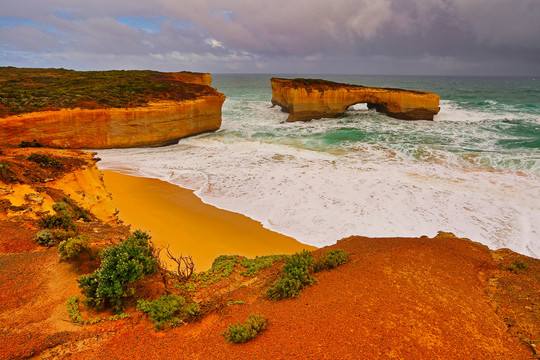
(474, 170)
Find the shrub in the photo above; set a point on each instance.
(6, 174)
(296, 276)
(57, 222)
(45, 161)
(72, 247)
(45, 238)
(76, 211)
(517, 265)
(62, 220)
(60, 235)
(331, 260)
(122, 264)
(168, 309)
(240, 333)
(26, 144)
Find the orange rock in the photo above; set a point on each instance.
(189, 77)
(306, 99)
(158, 123)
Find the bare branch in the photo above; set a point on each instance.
(184, 266)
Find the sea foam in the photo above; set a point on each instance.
(362, 173)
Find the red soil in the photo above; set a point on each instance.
(404, 298)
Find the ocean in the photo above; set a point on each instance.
(473, 171)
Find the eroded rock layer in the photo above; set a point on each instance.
(307, 99)
(158, 123)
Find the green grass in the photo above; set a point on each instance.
(224, 265)
(253, 266)
(25, 90)
(75, 315)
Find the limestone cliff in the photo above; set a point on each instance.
(189, 77)
(111, 109)
(158, 123)
(306, 99)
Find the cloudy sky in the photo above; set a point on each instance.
(432, 37)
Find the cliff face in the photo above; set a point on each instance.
(306, 99)
(191, 78)
(158, 123)
(70, 109)
(35, 189)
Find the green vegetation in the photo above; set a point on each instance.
(169, 309)
(223, 266)
(63, 219)
(45, 161)
(25, 90)
(122, 264)
(296, 276)
(260, 262)
(60, 235)
(240, 333)
(66, 211)
(331, 260)
(517, 265)
(237, 302)
(72, 247)
(76, 211)
(27, 144)
(6, 174)
(45, 238)
(75, 315)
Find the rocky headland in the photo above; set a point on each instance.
(307, 99)
(406, 298)
(105, 109)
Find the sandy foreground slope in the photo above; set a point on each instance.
(402, 298)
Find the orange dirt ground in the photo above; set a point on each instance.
(398, 298)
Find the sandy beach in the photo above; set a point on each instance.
(175, 216)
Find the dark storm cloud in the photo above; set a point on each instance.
(362, 36)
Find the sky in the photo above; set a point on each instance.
(403, 37)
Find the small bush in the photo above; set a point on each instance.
(45, 238)
(60, 235)
(331, 260)
(27, 144)
(62, 220)
(517, 265)
(6, 174)
(72, 247)
(168, 309)
(296, 276)
(57, 222)
(76, 211)
(240, 333)
(122, 264)
(45, 161)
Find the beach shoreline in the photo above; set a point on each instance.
(177, 218)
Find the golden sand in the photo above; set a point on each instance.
(173, 215)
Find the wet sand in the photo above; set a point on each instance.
(173, 215)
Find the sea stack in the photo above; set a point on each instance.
(307, 99)
(106, 109)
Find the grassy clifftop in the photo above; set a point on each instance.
(24, 90)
